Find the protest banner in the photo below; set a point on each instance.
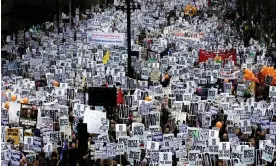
(117, 39)
(188, 35)
(204, 55)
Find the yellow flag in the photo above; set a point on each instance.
(251, 88)
(106, 57)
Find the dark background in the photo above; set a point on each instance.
(20, 14)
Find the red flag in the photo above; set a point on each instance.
(120, 98)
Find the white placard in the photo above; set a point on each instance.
(93, 120)
(165, 158)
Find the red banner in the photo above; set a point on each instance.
(204, 55)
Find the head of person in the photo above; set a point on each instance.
(112, 125)
(114, 163)
(73, 136)
(73, 145)
(169, 121)
(225, 136)
(144, 162)
(237, 131)
(258, 131)
(220, 163)
(167, 129)
(253, 142)
(29, 113)
(21, 146)
(16, 148)
(98, 162)
(243, 137)
(41, 155)
(54, 155)
(23, 161)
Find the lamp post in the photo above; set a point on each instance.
(130, 70)
(58, 15)
(70, 13)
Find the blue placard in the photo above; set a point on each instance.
(157, 137)
(4, 117)
(37, 144)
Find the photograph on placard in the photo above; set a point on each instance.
(28, 116)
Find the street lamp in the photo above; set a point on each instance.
(130, 70)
